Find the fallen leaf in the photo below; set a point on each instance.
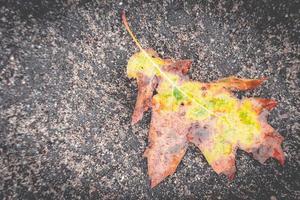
(205, 114)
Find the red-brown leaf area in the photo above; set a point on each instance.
(221, 125)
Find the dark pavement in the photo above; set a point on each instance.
(66, 103)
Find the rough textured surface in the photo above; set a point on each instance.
(66, 103)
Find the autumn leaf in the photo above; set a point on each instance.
(205, 114)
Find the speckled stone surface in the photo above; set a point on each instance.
(66, 102)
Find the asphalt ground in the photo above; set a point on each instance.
(66, 103)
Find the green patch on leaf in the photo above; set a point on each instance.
(177, 94)
(246, 118)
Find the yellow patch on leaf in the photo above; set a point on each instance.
(140, 63)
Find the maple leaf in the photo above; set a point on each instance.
(205, 114)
